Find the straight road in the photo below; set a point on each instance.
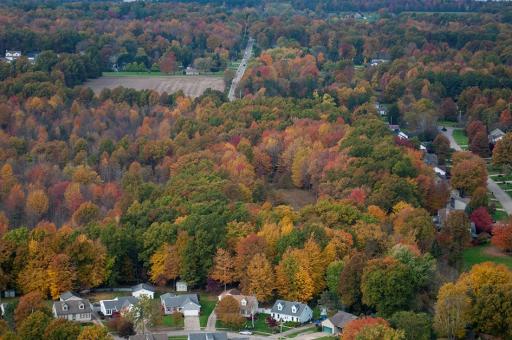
(500, 194)
(241, 70)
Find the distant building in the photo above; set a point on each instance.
(496, 135)
(143, 289)
(291, 311)
(181, 286)
(187, 304)
(376, 62)
(248, 303)
(191, 71)
(73, 310)
(67, 296)
(11, 56)
(334, 324)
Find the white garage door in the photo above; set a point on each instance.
(191, 313)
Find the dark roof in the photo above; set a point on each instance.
(287, 307)
(68, 295)
(341, 318)
(208, 336)
(120, 302)
(73, 307)
(175, 301)
(145, 286)
(497, 133)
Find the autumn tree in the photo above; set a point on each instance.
(61, 275)
(352, 328)
(59, 329)
(452, 311)
(33, 326)
(416, 326)
(480, 144)
(415, 225)
(37, 204)
(228, 311)
(454, 236)
(223, 269)
(94, 332)
(502, 153)
(350, 281)
(441, 146)
(143, 314)
(165, 264)
(502, 236)
(468, 172)
(168, 63)
(378, 332)
(28, 304)
(259, 279)
(482, 219)
(293, 281)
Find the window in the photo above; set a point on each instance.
(243, 302)
(81, 306)
(294, 309)
(65, 307)
(279, 306)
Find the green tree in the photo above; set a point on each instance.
(61, 329)
(417, 326)
(33, 327)
(144, 314)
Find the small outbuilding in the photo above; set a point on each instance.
(335, 324)
(181, 286)
(143, 289)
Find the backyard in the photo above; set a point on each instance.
(484, 253)
(208, 303)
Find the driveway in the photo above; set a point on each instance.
(192, 323)
(500, 194)
(212, 320)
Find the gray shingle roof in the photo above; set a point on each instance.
(73, 307)
(186, 301)
(341, 318)
(145, 286)
(208, 336)
(68, 295)
(119, 303)
(287, 307)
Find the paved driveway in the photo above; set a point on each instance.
(192, 323)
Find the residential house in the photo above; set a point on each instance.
(376, 62)
(120, 304)
(188, 304)
(181, 286)
(11, 56)
(208, 336)
(495, 136)
(191, 71)
(334, 324)
(143, 289)
(291, 311)
(66, 296)
(402, 135)
(75, 310)
(248, 303)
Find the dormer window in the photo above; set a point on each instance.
(294, 309)
(64, 307)
(81, 306)
(279, 306)
(243, 302)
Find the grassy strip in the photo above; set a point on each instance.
(475, 255)
(208, 303)
(461, 138)
(307, 330)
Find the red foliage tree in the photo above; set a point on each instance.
(352, 328)
(482, 220)
(502, 236)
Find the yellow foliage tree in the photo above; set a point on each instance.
(165, 265)
(223, 269)
(259, 280)
(61, 275)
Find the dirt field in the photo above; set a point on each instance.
(192, 86)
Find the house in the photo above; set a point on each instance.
(66, 296)
(402, 135)
(495, 136)
(334, 324)
(188, 304)
(440, 172)
(248, 303)
(191, 71)
(208, 336)
(143, 289)
(9, 293)
(291, 311)
(381, 110)
(181, 286)
(149, 336)
(11, 56)
(75, 310)
(120, 304)
(376, 62)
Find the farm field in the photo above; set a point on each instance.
(192, 86)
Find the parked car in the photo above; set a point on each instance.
(246, 332)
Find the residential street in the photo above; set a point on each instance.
(500, 194)
(241, 70)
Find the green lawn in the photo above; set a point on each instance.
(461, 138)
(178, 337)
(311, 329)
(260, 325)
(475, 255)
(328, 338)
(208, 303)
(447, 123)
(169, 321)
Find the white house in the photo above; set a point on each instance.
(11, 56)
(291, 311)
(74, 310)
(191, 71)
(496, 135)
(120, 304)
(248, 303)
(188, 304)
(402, 135)
(181, 286)
(143, 289)
(334, 324)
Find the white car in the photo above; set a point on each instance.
(246, 332)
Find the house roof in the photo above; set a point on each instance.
(68, 295)
(119, 302)
(73, 307)
(235, 293)
(187, 301)
(232, 291)
(341, 318)
(208, 336)
(142, 286)
(497, 133)
(287, 307)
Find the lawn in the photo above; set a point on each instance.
(311, 329)
(478, 254)
(447, 123)
(178, 337)
(461, 138)
(328, 338)
(260, 325)
(169, 321)
(208, 303)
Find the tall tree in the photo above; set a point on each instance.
(452, 311)
(165, 264)
(259, 279)
(223, 269)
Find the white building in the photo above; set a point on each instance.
(187, 304)
(181, 286)
(336, 323)
(291, 311)
(143, 289)
(120, 304)
(11, 56)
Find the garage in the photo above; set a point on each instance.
(326, 329)
(190, 309)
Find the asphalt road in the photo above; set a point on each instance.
(241, 70)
